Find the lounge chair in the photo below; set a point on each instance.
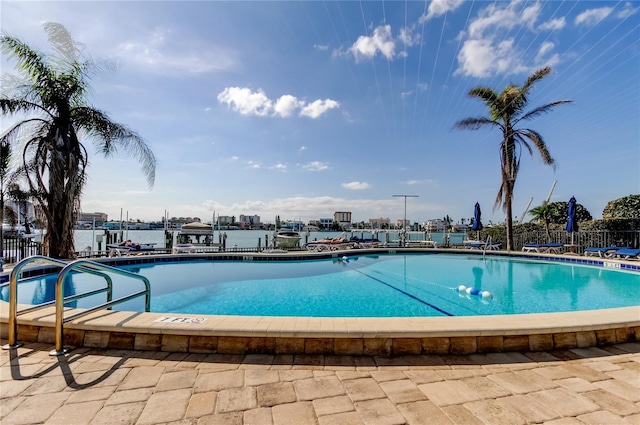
(118, 250)
(626, 253)
(544, 248)
(600, 251)
(334, 244)
(492, 246)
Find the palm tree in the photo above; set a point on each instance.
(542, 214)
(52, 92)
(506, 110)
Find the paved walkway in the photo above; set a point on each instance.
(581, 386)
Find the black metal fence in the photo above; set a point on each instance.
(15, 249)
(581, 240)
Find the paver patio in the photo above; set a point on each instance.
(93, 386)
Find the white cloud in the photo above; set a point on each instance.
(286, 105)
(481, 58)
(553, 25)
(163, 52)
(316, 166)
(546, 47)
(279, 167)
(356, 185)
(318, 107)
(420, 182)
(627, 11)
(486, 50)
(529, 15)
(593, 16)
(302, 149)
(439, 8)
(247, 102)
(253, 164)
(380, 42)
(408, 37)
(321, 47)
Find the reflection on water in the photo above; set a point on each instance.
(477, 277)
(45, 291)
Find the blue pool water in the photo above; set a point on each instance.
(366, 286)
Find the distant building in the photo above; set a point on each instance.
(90, 217)
(406, 225)
(249, 221)
(380, 223)
(343, 218)
(325, 223)
(293, 225)
(225, 219)
(435, 225)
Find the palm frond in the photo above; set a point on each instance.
(475, 123)
(62, 42)
(523, 142)
(536, 76)
(11, 106)
(542, 110)
(540, 145)
(110, 136)
(29, 61)
(18, 131)
(484, 93)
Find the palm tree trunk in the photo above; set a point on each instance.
(61, 204)
(509, 220)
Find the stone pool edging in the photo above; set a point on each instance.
(122, 330)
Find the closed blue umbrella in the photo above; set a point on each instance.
(572, 225)
(477, 224)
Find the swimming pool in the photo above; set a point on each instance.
(400, 285)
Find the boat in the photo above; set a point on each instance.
(130, 248)
(287, 238)
(196, 233)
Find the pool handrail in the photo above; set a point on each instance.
(13, 294)
(85, 266)
(81, 264)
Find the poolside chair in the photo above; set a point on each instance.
(544, 248)
(626, 253)
(492, 246)
(600, 251)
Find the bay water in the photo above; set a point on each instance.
(251, 238)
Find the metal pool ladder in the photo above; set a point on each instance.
(82, 266)
(487, 243)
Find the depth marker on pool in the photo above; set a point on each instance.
(181, 320)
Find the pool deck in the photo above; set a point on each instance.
(102, 386)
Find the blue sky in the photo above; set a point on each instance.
(300, 109)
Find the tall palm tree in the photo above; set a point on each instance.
(542, 214)
(52, 93)
(506, 110)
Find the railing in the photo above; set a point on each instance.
(486, 245)
(84, 266)
(17, 249)
(582, 239)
